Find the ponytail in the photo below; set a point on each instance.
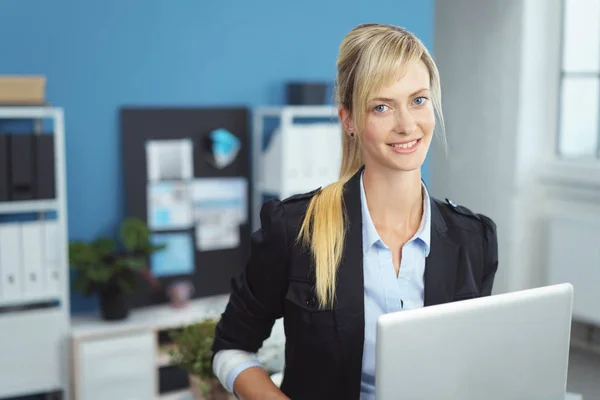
(323, 230)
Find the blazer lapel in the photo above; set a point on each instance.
(442, 263)
(349, 304)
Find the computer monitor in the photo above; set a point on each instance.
(512, 346)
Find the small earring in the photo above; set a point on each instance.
(352, 134)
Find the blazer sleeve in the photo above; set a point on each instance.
(256, 298)
(490, 249)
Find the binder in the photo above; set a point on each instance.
(44, 167)
(10, 262)
(53, 258)
(20, 154)
(3, 167)
(32, 234)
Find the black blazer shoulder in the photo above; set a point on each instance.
(456, 223)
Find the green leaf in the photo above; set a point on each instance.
(133, 263)
(193, 347)
(81, 254)
(134, 234)
(104, 246)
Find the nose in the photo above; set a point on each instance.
(406, 123)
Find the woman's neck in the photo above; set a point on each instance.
(395, 199)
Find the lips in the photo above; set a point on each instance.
(405, 147)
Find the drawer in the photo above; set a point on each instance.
(32, 346)
(106, 347)
(137, 389)
(119, 367)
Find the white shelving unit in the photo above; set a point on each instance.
(34, 318)
(287, 148)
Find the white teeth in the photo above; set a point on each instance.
(405, 145)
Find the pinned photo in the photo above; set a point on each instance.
(177, 258)
(169, 205)
(169, 160)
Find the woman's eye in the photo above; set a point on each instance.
(380, 108)
(420, 100)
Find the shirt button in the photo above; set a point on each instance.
(311, 302)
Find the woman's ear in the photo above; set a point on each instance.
(346, 120)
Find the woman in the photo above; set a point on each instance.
(331, 261)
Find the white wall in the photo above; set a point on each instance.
(477, 49)
(499, 65)
(499, 62)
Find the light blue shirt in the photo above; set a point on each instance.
(384, 292)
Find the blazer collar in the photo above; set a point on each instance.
(442, 262)
(440, 276)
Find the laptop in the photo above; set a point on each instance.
(512, 346)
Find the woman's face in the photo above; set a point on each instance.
(399, 123)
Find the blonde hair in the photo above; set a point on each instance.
(370, 57)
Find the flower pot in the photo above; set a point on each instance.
(113, 304)
(208, 389)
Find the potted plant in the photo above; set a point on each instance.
(110, 268)
(192, 352)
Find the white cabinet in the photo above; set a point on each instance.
(123, 360)
(31, 350)
(34, 301)
(117, 367)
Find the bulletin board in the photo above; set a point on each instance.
(187, 174)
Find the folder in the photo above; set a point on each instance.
(32, 234)
(44, 167)
(3, 167)
(10, 262)
(20, 154)
(53, 258)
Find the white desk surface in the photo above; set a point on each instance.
(161, 316)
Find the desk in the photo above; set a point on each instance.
(123, 359)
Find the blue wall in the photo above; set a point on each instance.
(100, 55)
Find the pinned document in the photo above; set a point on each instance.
(176, 258)
(169, 205)
(169, 159)
(220, 207)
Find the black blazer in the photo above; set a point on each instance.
(324, 348)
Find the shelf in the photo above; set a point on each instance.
(309, 111)
(185, 394)
(29, 301)
(157, 317)
(29, 112)
(13, 207)
(164, 359)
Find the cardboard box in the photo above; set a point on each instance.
(22, 89)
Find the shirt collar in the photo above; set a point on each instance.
(370, 235)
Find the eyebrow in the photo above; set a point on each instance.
(390, 100)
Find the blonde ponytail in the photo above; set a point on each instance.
(323, 230)
(371, 55)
